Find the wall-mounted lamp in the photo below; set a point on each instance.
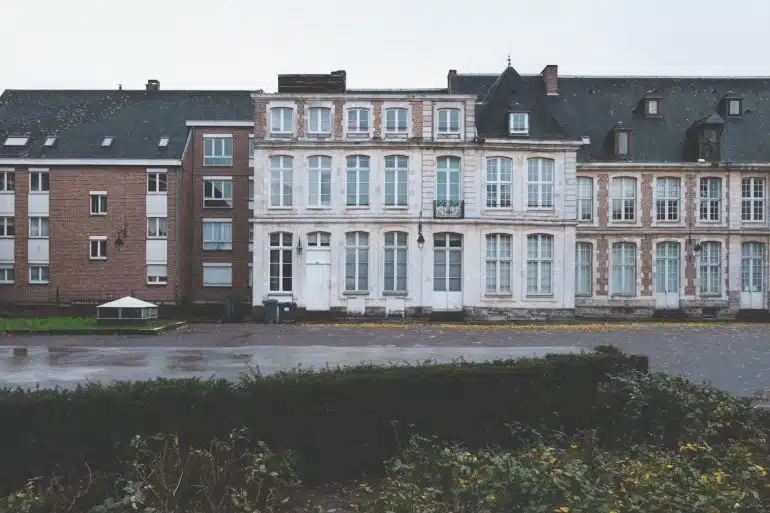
(299, 246)
(420, 238)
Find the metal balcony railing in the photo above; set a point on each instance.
(448, 209)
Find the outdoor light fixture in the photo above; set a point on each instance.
(420, 238)
(299, 246)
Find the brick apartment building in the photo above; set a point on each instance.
(102, 194)
(551, 195)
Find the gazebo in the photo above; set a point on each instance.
(127, 310)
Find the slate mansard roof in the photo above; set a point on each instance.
(136, 119)
(593, 106)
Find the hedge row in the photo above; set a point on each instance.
(339, 422)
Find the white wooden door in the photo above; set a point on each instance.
(447, 272)
(752, 276)
(667, 275)
(317, 286)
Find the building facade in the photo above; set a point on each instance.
(411, 202)
(672, 188)
(102, 194)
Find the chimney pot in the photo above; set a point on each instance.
(551, 79)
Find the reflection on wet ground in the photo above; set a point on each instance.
(69, 366)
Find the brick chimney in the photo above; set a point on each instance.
(451, 80)
(152, 85)
(334, 82)
(551, 79)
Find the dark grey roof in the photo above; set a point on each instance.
(136, 120)
(593, 106)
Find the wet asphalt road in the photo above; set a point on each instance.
(735, 358)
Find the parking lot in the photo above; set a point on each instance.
(735, 358)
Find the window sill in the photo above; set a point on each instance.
(328, 207)
(7, 236)
(622, 296)
(715, 295)
(214, 250)
(38, 238)
(448, 135)
(396, 135)
(319, 135)
(157, 283)
(223, 207)
(281, 293)
(357, 207)
(541, 209)
(99, 214)
(391, 293)
(539, 296)
(39, 192)
(97, 259)
(519, 133)
(710, 221)
(7, 282)
(622, 223)
(218, 285)
(281, 207)
(38, 283)
(157, 193)
(761, 221)
(218, 165)
(7, 192)
(150, 237)
(358, 135)
(396, 207)
(356, 293)
(281, 135)
(584, 295)
(500, 295)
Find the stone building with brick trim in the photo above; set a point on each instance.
(110, 193)
(408, 202)
(671, 191)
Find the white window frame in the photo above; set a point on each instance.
(7, 277)
(393, 171)
(154, 181)
(40, 182)
(619, 266)
(708, 204)
(319, 239)
(39, 280)
(499, 183)
(97, 247)
(281, 175)
(284, 127)
(668, 199)
(215, 150)
(319, 174)
(41, 224)
(358, 248)
(396, 255)
(283, 249)
(445, 125)
(653, 107)
(396, 128)
(251, 235)
(210, 283)
(100, 198)
(226, 196)
(753, 205)
(316, 126)
(584, 264)
(540, 181)
(445, 165)
(753, 266)
(710, 268)
(354, 120)
(541, 258)
(157, 278)
(618, 195)
(518, 123)
(358, 177)
(5, 222)
(585, 203)
(217, 244)
(154, 225)
(734, 113)
(498, 255)
(7, 181)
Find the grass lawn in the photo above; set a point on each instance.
(64, 323)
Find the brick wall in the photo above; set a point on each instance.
(21, 287)
(239, 213)
(377, 118)
(260, 119)
(416, 119)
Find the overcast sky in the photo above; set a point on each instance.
(244, 44)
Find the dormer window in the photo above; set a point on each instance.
(709, 144)
(107, 142)
(16, 141)
(734, 107)
(518, 123)
(622, 141)
(652, 108)
(50, 141)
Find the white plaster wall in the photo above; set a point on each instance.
(420, 264)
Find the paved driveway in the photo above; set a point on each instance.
(735, 358)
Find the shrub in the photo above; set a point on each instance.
(338, 421)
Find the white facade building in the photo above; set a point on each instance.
(388, 203)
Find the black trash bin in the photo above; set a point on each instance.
(287, 312)
(270, 308)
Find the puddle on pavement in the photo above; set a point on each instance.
(186, 361)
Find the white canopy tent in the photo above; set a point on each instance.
(127, 310)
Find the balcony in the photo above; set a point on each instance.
(448, 209)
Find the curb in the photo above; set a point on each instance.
(97, 331)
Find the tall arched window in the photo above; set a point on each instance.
(357, 262)
(498, 259)
(540, 183)
(396, 261)
(539, 265)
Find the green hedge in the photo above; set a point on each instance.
(339, 422)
